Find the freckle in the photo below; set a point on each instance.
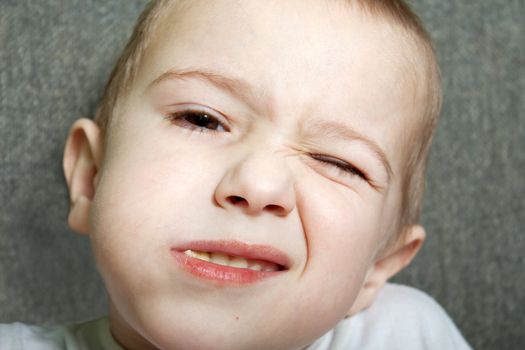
(237, 318)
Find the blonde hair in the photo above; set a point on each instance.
(395, 11)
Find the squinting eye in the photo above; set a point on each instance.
(196, 120)
(343, 167)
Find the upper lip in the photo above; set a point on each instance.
(240, 249)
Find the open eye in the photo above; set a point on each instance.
(342, 167)
(197, 120)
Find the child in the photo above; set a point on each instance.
(253, 177)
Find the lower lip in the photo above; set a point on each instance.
(219, 273)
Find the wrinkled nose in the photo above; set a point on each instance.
(256, 184)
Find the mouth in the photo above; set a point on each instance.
(234, 261)
(230, 261)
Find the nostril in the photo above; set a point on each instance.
(236, 200)
(241, 202)
(273, 208)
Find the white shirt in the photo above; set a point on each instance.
(400, 318)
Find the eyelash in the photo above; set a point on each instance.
(343, 167)
(181, 118)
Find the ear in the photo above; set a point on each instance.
(387, 265)
(82, 159)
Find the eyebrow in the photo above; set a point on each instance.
(333, 129)
(237, 87)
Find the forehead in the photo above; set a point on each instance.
(323, 37)
(307, 57)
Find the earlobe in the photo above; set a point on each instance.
(387, 265)
(82, 159)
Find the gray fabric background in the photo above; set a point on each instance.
(56, 54)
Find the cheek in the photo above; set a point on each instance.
(342, 229)
(151, 180)
(341, 233)
(340, 221)
(146, 197)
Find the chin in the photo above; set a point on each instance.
(187, 331)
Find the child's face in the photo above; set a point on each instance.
(292, 90)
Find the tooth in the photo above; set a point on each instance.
(190, 253)
(203, 256)
(268, 267)
(219, 258)
(198, 255)
(238, 262)
(255, 267)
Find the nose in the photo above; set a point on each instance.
(257, 184)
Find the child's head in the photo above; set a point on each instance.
(290, 136)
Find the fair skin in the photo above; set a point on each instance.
(261, 171)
